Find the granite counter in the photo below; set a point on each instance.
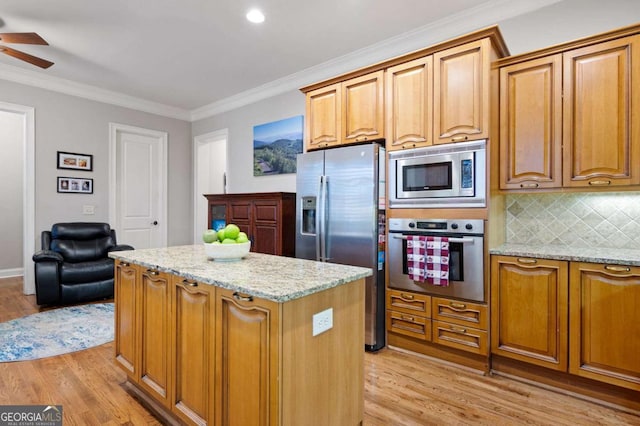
(576, 254)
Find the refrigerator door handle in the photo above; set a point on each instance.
(323, 219)
(319, 219)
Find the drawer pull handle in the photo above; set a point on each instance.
(458, 330)
(529, 185)
(527, 261)
(406, 296)
(152, 272)
(459, 138)
(614, 268)
(125, 264)
(408, 318)
(408, 145)
(190, 283)
(457, 305)
(599, 182)
(242, 298)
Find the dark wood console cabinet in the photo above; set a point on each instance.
(268, 218)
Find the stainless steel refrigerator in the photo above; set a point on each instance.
(340, 202)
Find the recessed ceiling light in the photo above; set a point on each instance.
(255, 16)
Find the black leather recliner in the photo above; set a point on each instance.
(73, 265)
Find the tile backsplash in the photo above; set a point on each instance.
(610, 220)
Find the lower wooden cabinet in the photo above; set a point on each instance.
(452, 323)
(248, 359)
(126, 299)
(192, 348)
(529, 310)
(605, 323)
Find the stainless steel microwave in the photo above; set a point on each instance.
(440, 176)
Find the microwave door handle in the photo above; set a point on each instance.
(451, 240)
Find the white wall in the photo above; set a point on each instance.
(240, 123)
(68, 123)
(11, 146)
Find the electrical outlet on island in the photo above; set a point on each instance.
(322, 321)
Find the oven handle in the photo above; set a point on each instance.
(452, 240)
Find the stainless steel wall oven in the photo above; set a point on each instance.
(466, 256)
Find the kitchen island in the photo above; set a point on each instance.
(208, 342)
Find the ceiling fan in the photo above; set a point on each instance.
(24, 38)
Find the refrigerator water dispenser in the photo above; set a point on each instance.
(309, 215)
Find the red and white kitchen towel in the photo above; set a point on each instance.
(428, 259)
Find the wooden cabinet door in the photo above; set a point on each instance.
(409, 104)
(529, 320)
(154, 374)
(461, 92)
(192, 343)
(601, 132)
(363, 108)
(240, 214)
(247, 360)
(126, 311)
(531, 124)
(605, 323)
(323, 117)
(266, 227)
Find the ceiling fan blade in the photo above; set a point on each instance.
(39, 62)
(23, 38)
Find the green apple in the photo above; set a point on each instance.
(242, 238)
(209, 236)
(228, 241)
(231, 231)
(221, 234)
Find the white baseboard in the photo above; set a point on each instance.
(15, 272)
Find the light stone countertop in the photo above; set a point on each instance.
(627, 257)
(275, 278)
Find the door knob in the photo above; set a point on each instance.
(155, 222)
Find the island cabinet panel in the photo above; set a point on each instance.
(192, 351)
(247, 361)
(154, 334)
(605, 323)
(126, 298)
(269, 219)
(602, 143)
(409, 104)
(531, 124)
(461, 92)
(323, 117)
(529, 301)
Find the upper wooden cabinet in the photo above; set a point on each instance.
(531, 124)
(346, 112)
(409, 104)
(323, 117)
(601, 133)
(605, 323)
(568, 114)
(439, 94)
(461, 92)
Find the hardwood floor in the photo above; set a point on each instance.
(400, 389)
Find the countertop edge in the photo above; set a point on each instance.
(627, 257)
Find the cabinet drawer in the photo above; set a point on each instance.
(462, 313)
(411, 303)
(463, 338)
(409, 325)
(240, 211)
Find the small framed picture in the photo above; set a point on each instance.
(72, 161)
(75, 185)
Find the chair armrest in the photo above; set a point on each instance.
(121, 247)
(47, 256)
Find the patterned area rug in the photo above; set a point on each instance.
(56, 332)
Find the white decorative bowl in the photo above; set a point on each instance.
(227, 252)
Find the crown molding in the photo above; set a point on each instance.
(446, 28)
(68, 87)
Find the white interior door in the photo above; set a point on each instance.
(210, 165)
(138, 189)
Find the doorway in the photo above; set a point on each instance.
(209, 171)
(25, 138)
(138, 185)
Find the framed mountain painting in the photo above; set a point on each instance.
(276, 145)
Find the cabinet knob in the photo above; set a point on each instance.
(527, 261)
(242, 298)
(529, 185)
(457, 305)
(406, 296)
(152, 272)
(190, 283)
(459, 138)
(599, 182)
